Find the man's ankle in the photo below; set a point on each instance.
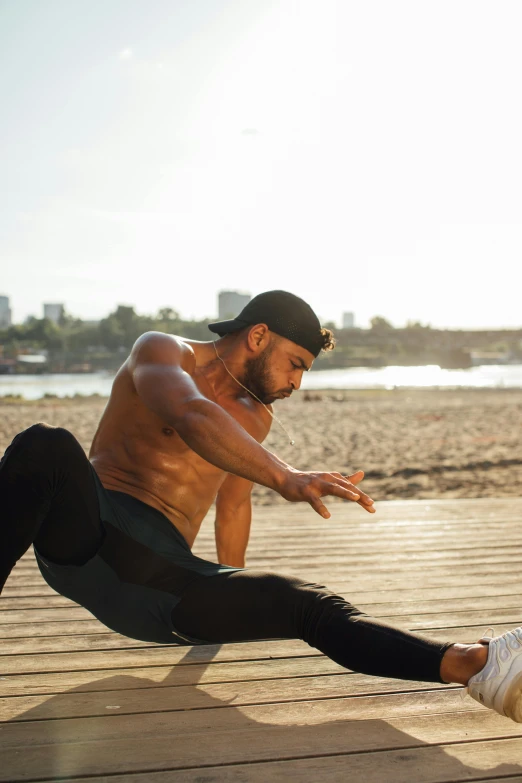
(463, 661)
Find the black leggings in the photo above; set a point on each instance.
(48, 498)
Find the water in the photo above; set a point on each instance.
(32, 387)
(431, 376)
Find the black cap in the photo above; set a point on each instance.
(283, 313)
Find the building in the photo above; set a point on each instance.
(5, 312)
(348, 320)
(230, 303)
(54, 312)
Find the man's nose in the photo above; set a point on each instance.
(295, 383)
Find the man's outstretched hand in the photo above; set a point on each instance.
(310, 487)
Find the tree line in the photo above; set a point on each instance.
(103, 344)
(117, 332)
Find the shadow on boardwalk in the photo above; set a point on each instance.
(194, 733)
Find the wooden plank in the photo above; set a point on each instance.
(474, 761)
(121, 744)
(429, 576)
(279, 551)
(51, 629)
(437, 605)
(164, 655)
(73, 643)
(33, 644)
(100, 644)
(134, 696)
(36, 728)
(380, 546)
(151, 656)
(391, 758)
(511, 618)
(68, 613)
(27, 590)
(410, 563)
(181, 674)
(35, 602)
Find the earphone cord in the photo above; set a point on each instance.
(274, 417)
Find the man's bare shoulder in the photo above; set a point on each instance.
(158, 348)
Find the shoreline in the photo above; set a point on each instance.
(14, 399)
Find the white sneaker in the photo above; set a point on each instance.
(499, 684)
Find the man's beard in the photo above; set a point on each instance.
(257, 378)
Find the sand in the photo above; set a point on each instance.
(412, 444)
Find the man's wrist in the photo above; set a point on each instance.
(236, 561)
(280, 476)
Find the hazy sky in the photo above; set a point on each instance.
(366, 155)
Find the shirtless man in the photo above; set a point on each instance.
(184, 426)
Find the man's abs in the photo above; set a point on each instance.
(183, 496)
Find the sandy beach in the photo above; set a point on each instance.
(412, 444)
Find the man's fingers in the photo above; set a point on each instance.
(366, 502)
(364, 499)
(340, 489)
(339, 486)
(350, 481)
(359, 495)
(370, 508)
(319, 506)
(355, 478)
(349, 491)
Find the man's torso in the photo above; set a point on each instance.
(136, 452)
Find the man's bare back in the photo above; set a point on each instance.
(135, 451)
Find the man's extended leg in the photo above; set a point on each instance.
(250, 605)
(47, 497)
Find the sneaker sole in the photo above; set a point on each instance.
(513, 700)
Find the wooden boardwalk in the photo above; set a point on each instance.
(80, 702)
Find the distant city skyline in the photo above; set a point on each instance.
(228, 304)
(365, 156)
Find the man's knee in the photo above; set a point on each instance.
(311, 606)
(44, 439)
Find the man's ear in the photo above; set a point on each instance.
(258, 338)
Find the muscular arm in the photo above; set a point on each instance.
(162, 369)
(233, 517)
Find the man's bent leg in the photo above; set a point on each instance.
(251, 605)
(47, 497)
